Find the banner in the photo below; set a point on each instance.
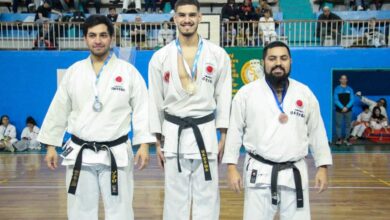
(247, 65)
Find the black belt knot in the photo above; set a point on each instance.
(96, 146)
(193, 123)
(276, 167)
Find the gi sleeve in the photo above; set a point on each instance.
(24, 133)
(140, 118)
(56, 119)
(235, 133)
(223, 93)
(318, 141)
(156, 98)
(12, 132)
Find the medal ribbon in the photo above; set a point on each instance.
(98, 76)
(279, 104)
(194, 66)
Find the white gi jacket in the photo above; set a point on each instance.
(30, 135)
(9, 131)
(166, 94)
(122, 91)
(254, 124)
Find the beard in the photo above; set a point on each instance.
(276, 81)
(188, 34)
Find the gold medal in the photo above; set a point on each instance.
(191, 88)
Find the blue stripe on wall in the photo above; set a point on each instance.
(29, 78)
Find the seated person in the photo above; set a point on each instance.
(378, 121)
(328, 26)
(165, 35)
(7, 134)
(381, 103)
(267, 28)
(43, 12)
(263, 6)
(138, 32)
(373, 36)
(361, 123)
(46, 37)
(29, 136)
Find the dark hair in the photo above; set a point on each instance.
(3, 116)
(111, 8)
(364, 107)
(275, 44)
(187, 2)
(30, 120)
(384, 102)
(94, 20)
(380, 117)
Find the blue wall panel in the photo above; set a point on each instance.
(29, 78)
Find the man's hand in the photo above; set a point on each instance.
(322, 179)
(142, 156)
(234, 178)
(221, 144)
(345, 109)
(51, 157)
(159, 146)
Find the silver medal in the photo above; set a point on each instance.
(97, 106)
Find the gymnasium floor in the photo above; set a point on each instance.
(359, 188)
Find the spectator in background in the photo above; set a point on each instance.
(378, 120)
(165, 34)
(113, 16)
(97, 4)
(15, 5)
(263, 6)
(171, 2)
(362, 122)
(230, 11)
(150, 6)
(343, 99)
(247, 11)
(7, 134)
(46, 37)
(373, 35)
(126, 4)
(328, 25)
(267, 28)
(138, 32)
(381, 103)
(43, 12)
(131, 9)
(29, 136)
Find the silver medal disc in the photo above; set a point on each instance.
(97, 106)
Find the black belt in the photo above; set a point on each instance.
(276, 167)
(96, 146)
(193, 123)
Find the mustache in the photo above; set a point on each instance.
(278, 66)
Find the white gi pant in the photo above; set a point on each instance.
(258, 200)
(190, 187)
(358, 130)
(94, 180)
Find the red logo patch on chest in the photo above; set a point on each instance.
(209, 69)
(167, 75)
(118, 79)
(299, 103)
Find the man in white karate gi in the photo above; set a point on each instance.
(96, 102)
(277, 120)
(190, 95)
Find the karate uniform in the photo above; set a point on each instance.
(122, 91)
(268, 29)
(9, 131)
(28, 139)
(213, 95)
(254, 123)
(363, 121)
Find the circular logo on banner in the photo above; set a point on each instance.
(251, 71)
